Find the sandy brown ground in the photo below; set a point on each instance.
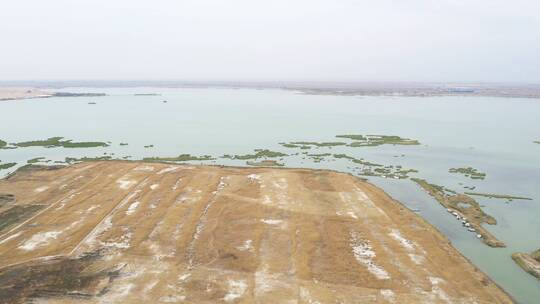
(129, 232)
(22, 93)
(527, 263)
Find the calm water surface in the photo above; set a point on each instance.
(494, 135)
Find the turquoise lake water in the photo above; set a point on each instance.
(494, 135)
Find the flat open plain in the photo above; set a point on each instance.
(133, 232)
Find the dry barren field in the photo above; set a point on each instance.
(131, 232)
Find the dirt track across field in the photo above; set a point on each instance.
(133, 232)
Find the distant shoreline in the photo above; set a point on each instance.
(7, 94)
(389, 89)
(22, 93)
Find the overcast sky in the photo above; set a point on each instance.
(276, 40)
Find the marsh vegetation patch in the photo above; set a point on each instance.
(7, 165)
(377, 140)
(57, 141)
(36, 160)
(469, 172)
(465, 209)
(499, 196)
(179, 158)
(259, 153)
(71, 160)
(265, 163)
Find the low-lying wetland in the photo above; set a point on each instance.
(358, 140)
(37, 160)
(462, 203)
(499, 196)
(54, 142)
(465, 209)
(468, 172)
(377, 140)
(179, 158)
(72, 160)
(265, 163)
(259, 153)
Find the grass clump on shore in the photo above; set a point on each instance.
(35, 160)
(499, 196)
(377, 140)
(259, 153)
(86, 144)
(179, 158)
(265, 163)
(468, 172)
(4, 145)
(71, 160)
(537, 142)
(7, 165)
(57, 141)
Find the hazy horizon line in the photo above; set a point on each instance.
(77, 82)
